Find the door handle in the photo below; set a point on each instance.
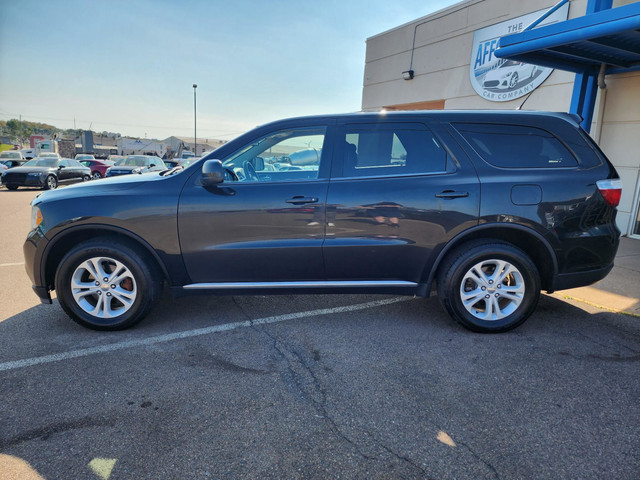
(452, 194)
(300, 200)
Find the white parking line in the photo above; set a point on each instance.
(11, 264)
(85, 352)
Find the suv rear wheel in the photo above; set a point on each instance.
(106, 285)
(489, 286)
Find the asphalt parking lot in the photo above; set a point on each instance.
(306, 387)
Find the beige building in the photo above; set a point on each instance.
(429, 64)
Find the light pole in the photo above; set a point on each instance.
(195, 137)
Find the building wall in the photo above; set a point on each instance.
(441, 58)
(619, 137)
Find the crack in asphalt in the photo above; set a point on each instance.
(605, 346)
(318, 395)
(43, 433)
(480, 459)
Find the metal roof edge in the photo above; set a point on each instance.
(606, 22)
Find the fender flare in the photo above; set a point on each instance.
(460, 238)
(60, 236)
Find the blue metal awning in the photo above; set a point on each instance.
(581, 45)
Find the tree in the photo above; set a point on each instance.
(19, 131)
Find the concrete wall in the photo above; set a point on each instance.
(441, 57)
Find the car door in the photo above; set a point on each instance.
(265, 222)
(76, 171)
(397, 192)
(65, 171)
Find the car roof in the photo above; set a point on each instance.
(443, 115)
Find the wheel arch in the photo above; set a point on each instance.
(64, 241)
(526, 239)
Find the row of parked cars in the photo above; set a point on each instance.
(49, 170)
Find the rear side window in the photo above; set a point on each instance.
(511, 146)
(391, 149)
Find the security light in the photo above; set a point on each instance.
(408, 75)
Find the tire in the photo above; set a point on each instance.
(513, 81)
(471, 292)
(96, 175)
(86, 178)
(12, 187)
(51, 183)
(131, 289)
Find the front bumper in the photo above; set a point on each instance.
(26, 182)
(33, 248)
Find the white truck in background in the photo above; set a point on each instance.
(40, 145)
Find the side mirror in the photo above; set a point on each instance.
(60, 167)
(212, 173)
(258, 163)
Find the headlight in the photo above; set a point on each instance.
(34, 174)
(36, 217)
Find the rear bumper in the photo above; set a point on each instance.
(565, 281)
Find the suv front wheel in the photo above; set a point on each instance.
(489, 286)
(106, 285)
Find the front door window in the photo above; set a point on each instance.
(282, 156)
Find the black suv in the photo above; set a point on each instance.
(489, 206)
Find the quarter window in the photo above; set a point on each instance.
(511, 146)
(400, 149)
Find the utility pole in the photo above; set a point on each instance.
(195, 137)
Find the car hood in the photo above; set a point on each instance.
(103, 186)
(32, 169)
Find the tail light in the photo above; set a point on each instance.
(611, 191)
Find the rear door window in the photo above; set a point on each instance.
(391, 149)
(515, 146)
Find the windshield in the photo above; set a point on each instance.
(48, 155)
(42, 162)
(84, 157)
(9, 155)
(134, 161)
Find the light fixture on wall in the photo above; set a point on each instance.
(407, 75)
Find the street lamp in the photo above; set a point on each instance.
(195, 137)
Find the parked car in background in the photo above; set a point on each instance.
(46, 172)
(115, 158)
(84, 156)
(98, 167)
(174, 162)
(489, 206)
(28, 153)
(50, 155)
(136, 164)
(12, 158)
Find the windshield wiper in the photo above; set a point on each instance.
(171, 171)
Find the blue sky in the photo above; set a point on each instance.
(129, 66)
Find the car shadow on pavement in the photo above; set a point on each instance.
(36, 327)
